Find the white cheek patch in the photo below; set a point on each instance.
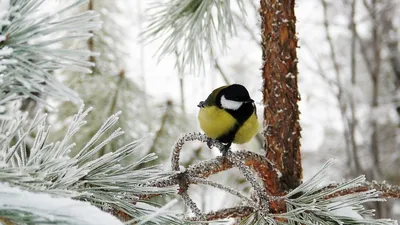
(230, 104)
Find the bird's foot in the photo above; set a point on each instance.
(210, 143)
(225, 149)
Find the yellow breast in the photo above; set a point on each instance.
(216, 122)
(247, 131)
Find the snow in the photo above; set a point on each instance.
(182, 169)
(345, 211)
(54, 208)
(4, 6)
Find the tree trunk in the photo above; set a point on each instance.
(280, 95)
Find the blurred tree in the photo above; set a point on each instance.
(112, 88)
(365, 85)
(41, 181)
(109, 87)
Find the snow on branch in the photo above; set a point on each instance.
(311, 203)
(23, 207)
(30, 50)
(104, 181)
(385, 190)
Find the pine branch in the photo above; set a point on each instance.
(103, 181)
(29, 52)
(234, 212)
(191, 204)
(384, 189)
(219, 164)
(196, 180)
(309, 203)
(189, 28)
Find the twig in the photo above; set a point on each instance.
(90, 41)
(197, 180)
(218, 67)
(186, 138)
(160, 130)
(348, 121)
(249, 30)
(234, 212)
(182, 92)
(183, 178)
(261, 192)
(209, 167)
(244, 160)
(386, 190)
(352, 123)
(190, 203)
(235, 159)
(364, 54)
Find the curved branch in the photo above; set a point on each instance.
(386, 190)
(264, 203)
(209, 167)
(197, 180)
(234, 212)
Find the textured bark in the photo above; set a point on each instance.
(280, 94)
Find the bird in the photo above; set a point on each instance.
(228, 115)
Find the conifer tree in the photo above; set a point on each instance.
(41, 183)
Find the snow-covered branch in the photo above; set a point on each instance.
(104, 181)
(190, 27)
(30, 48)
(311, 201)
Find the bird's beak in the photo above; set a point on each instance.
(250, 101)
(201, 104)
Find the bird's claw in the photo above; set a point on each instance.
(209, 143)
(225, 149)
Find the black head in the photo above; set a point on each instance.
(233, 97)
(236, 92)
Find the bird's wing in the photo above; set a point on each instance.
(210, 101)
(255, 109)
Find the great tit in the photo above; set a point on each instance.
(229, 115)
